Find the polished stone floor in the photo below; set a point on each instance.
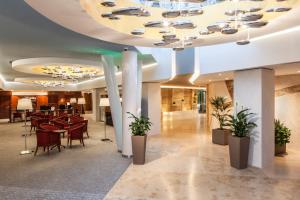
(79, 173)
(183, 164)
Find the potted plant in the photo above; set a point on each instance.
(282, 137)
(220, 111)
(241, 126)
(139, 128)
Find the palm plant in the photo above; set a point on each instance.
(282, 133)
(241, 123)
(220, 110)
(140, 126)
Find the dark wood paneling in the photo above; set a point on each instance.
(59, 97)
(88, 101)
(5, 103)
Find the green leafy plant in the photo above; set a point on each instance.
(241, 124)
(140, 125)
(282, 133)
(220, 110)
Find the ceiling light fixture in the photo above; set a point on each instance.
(182, 87)
(71, 73)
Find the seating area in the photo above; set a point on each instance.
(49, 130)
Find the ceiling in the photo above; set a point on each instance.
(88, 13)
(27, 34)
(287, 69)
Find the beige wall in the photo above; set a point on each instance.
(287, 106)
(287, 109)
(218, 88)
(172, 99)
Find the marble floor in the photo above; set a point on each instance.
(79, 173)
(183, 164)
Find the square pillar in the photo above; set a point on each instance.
(151, 105)
(255, 89)
(96, 101)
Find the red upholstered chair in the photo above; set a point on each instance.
(42, 121)
(75, 118)
(17, 115)
(33, 123)
(85, 128)
(82, 121)
(49, 127)
(61, 124)
(76, 133)
(47, 139)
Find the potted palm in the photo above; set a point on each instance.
(282, 137)
(241, 126)
(139, 128)
(220, 111)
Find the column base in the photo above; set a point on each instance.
(127, 156)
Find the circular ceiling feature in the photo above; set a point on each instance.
(151, 14)
(43, 82)
(60, 68)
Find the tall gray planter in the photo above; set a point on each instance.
(139, 149)
(239, 151)
(220, 136)
(280, 149)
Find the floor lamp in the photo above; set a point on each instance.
(104, 102)
(25, 104)
(73, 101)
(81, 102)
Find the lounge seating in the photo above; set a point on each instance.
(76, 133)
(33, 123)
(48, 127)
(41, 121)
(85, 128)
(47, 139)
(17, 115)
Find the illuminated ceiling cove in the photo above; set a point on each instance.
(57, 71)
(43, 82)
(183, 23)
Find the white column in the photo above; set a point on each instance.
(114, 97)
(129, 96)
(139, 87)
(254, 89)
(96, 101)
(151, 105)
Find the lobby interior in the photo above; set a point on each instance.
(70, 71)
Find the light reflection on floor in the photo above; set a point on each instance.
(183, 164)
